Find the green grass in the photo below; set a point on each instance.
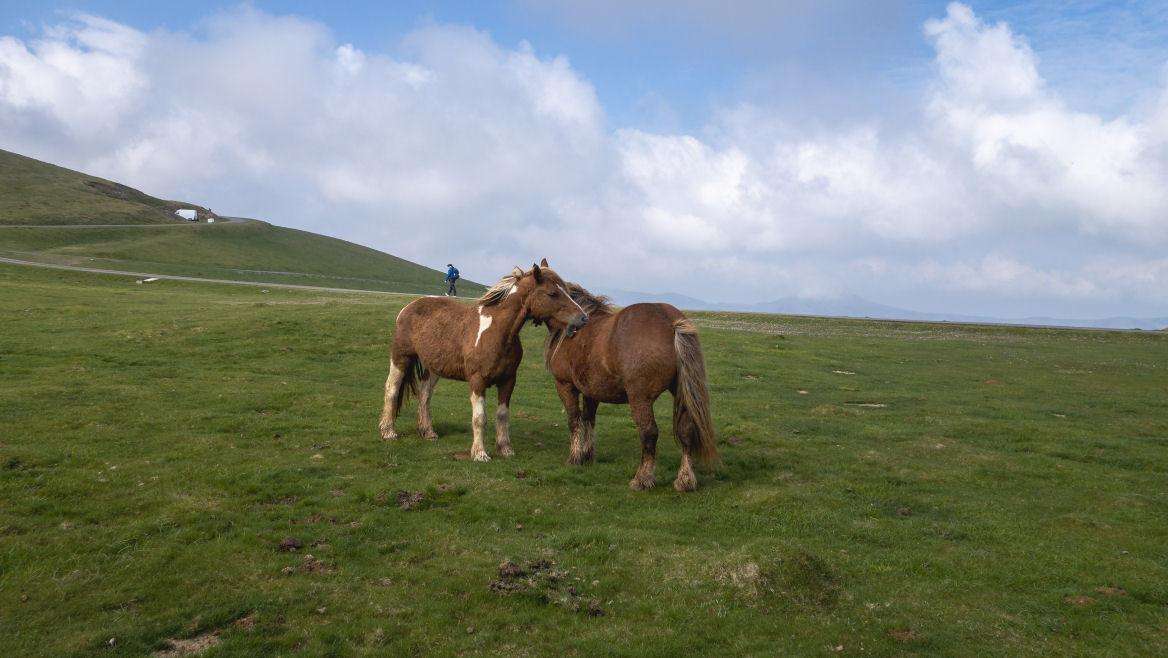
(159, 442)
(36, 192)
(247, 251)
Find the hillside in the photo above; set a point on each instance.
(36, 192)
(42, 194)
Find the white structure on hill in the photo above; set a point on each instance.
(189, 214)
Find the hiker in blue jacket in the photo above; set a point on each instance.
(451, 279)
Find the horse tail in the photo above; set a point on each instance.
(692, 424)
(414, 372)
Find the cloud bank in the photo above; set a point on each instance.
(455, 147)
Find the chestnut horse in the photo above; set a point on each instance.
(439, 337)
(632, 356)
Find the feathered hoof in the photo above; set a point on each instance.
(685, 483)
(575, 459)
(480, 456)
(429, 435)
(388, 434)
(504, 451)
(642, 483)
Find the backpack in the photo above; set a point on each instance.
(454, 274)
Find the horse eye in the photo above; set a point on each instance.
(553, 294)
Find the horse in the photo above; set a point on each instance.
(632, 356)
(438, 337)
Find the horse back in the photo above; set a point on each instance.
(629, 354)
(642, 335)
(435, 329)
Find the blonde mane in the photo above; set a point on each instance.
(592, 305)
(502, 288)
(587, 301)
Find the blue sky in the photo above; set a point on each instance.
(989, 157)
(681, 64)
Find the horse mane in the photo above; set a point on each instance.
(589, 302)
(592, 305)
(502, 288)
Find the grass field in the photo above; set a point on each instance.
(884, 488)
(243, 251)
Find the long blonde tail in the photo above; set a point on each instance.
(691, 404)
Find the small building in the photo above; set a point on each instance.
(189, 214)
(210, 220)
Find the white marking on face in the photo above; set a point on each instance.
(484, 323)
(514, 289)
(573, 300)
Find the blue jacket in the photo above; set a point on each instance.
(452, 273)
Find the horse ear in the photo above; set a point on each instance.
(536, 273)
(543, 263)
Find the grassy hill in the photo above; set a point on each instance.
(885, 489)
(43, 194)
(36, 192)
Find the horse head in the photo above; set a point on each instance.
(548, 300)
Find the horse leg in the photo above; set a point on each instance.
(503, 420)
(686, 433)
(478, 421)
(425, 390)
(589, 427)
(570, 397)
(646, 476)
(393, 396)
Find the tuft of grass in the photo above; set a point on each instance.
(158, 445)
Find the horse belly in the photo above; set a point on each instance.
(604, 388)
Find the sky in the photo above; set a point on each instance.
(983, 158)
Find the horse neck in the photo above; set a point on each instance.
(561, 350)
(510, 314)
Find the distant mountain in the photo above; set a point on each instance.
(852, 306)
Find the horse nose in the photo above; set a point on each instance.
(582, 320)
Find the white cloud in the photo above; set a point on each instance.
(461, 148)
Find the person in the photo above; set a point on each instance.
(451, 279)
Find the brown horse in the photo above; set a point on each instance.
(633, 355)
(439, 337)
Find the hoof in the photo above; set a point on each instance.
(685, 484)
(388, 434)
(504, 450)
(575, 460)
(481, 456)
(429, 435)
(641, 484)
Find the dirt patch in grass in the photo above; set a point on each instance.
(1108, 590)
(1079, 601)
(544, 582)
(801, 579)
(191, 646)
(904, 635)
(290, 544)
(410, 499)
(309, 564)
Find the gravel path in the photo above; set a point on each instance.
(175, 277)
